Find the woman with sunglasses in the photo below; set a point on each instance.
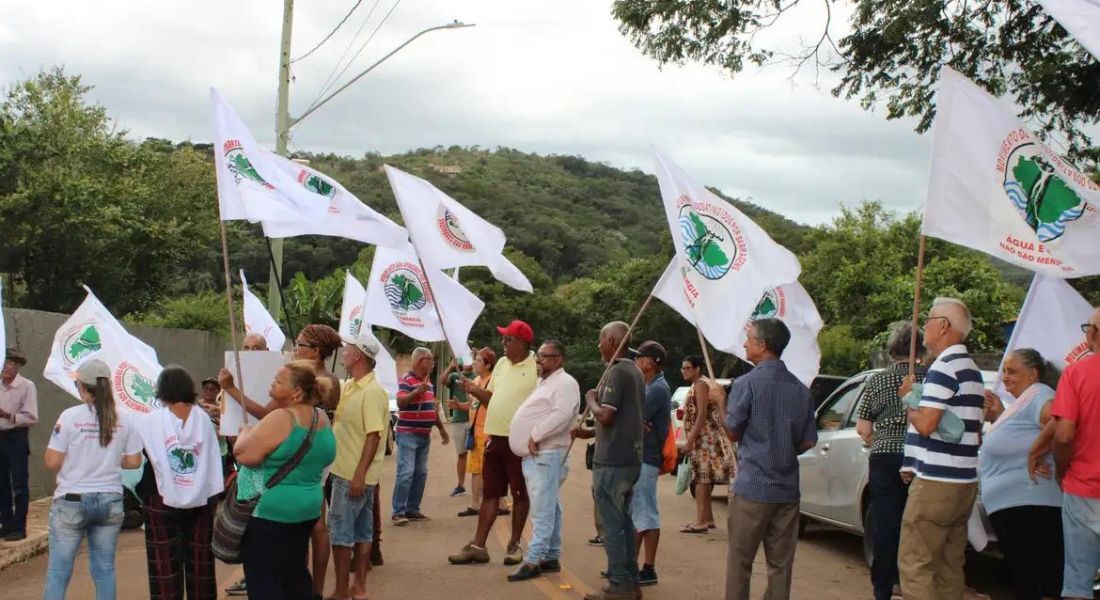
(710, 451)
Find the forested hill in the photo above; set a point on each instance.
(569, 214)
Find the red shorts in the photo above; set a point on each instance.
(502, 469)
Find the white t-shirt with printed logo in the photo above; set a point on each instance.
(88, 466)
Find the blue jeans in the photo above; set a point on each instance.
(1081, 528)
(412, 472)
(612, 489)
(888, 497)
(99, 515)
(544, 475)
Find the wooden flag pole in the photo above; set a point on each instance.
(232, 309)
(916, 309)
(607, 369)
(706, 353)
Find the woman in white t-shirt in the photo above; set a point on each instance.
(90, 445)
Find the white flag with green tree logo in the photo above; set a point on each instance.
(725, 261)
(403, 296)
(995, 187)
(258, 320)
(448, 234)
(352, 326)
(92, 331)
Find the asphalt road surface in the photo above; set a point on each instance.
(828, 565)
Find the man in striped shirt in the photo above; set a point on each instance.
(941, 496)
(416, 415)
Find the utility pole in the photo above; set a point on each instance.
(282, 133)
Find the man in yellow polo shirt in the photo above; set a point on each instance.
(513, 380)
(359, 425)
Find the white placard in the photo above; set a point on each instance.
(258, 369)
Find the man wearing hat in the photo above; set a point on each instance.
(650, 358)
(514, 378)
(361, 418)
(18, 412)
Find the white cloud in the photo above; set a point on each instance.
(542, 77)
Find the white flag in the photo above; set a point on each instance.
(250, 186)
(1050, 322)
(726, 261)
(258, 320)
(351, 325)
(789, 303)
(448, 234)
(346, 216)
(1081, 18)
(996, 188)
(91, 331)
(402, 296)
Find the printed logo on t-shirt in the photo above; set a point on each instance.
(182, 460)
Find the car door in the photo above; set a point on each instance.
(814, 464)
(845, 469)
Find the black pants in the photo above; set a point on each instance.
(888, 495)
(15, 450)
(274, 556)
(1031, 539)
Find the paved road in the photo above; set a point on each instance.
(828, 565)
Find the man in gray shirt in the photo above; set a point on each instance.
(771, 414)
(617, 408)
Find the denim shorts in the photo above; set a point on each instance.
(643, 505)
(1081, 529)
(350, 520)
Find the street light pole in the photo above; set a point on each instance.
(283, 123)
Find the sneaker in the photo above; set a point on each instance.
(525, 571)
(458, 491)
(595, 541)
(15, 536)
(550, 566)
(647, 576)
(514, 555)
(615, 592)
(469, 512)
(469, 554)
(399, 520)
(418, 517)
(237, 589)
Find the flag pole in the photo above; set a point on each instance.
(706, 353)
(916, 308)
(607, 369)
(229, 302)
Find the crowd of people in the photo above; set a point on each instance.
(312, 463)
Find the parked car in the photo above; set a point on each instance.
(833, 474)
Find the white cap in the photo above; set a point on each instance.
(363, 344)
(91, 370)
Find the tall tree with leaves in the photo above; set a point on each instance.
(893, 52)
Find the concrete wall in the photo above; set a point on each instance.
(32, 331)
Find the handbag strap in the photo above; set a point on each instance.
(290, 465)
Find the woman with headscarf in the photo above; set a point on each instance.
(710, 451)
(89, 447)
(1026, 514)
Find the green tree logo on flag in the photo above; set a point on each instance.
(767, 307)
(405, 291)
(316, 184)
(239, 165)
(708, 242)
(1042, 197)
(135, 390)
(84, 344)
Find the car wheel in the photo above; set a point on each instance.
(868, 535)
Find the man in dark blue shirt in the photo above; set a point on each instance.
(771, 415)
(656, 414)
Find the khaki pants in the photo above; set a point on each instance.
(933, 539)
(750, 523)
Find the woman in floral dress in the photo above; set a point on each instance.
(710, 450)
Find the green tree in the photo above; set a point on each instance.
(893, 52)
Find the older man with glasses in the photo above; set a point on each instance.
(416, 415)
(941, 496)
(539, 434)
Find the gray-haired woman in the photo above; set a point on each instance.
(882, 424)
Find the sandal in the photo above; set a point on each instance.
(503, 511)
(690, 528)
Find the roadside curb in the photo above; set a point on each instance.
(38, 536)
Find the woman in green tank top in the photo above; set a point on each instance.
(277, 539)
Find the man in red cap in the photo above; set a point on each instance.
(513, 379)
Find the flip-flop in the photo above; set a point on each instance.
(689, 529)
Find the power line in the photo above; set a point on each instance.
(351, 42)
(331, 33)
(360, 51)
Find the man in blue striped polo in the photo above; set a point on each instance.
(933, 529)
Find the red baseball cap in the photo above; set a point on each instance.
(518, 329)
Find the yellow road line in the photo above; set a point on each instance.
(546, 583)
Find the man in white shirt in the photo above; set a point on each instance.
(539, 434)
(18, 413)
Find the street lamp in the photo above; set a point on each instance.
(284, 122)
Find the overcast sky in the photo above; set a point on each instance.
(547, 77)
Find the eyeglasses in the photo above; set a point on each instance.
(930, 319)
(542, 355)
(1086, 326)
(305, 345)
